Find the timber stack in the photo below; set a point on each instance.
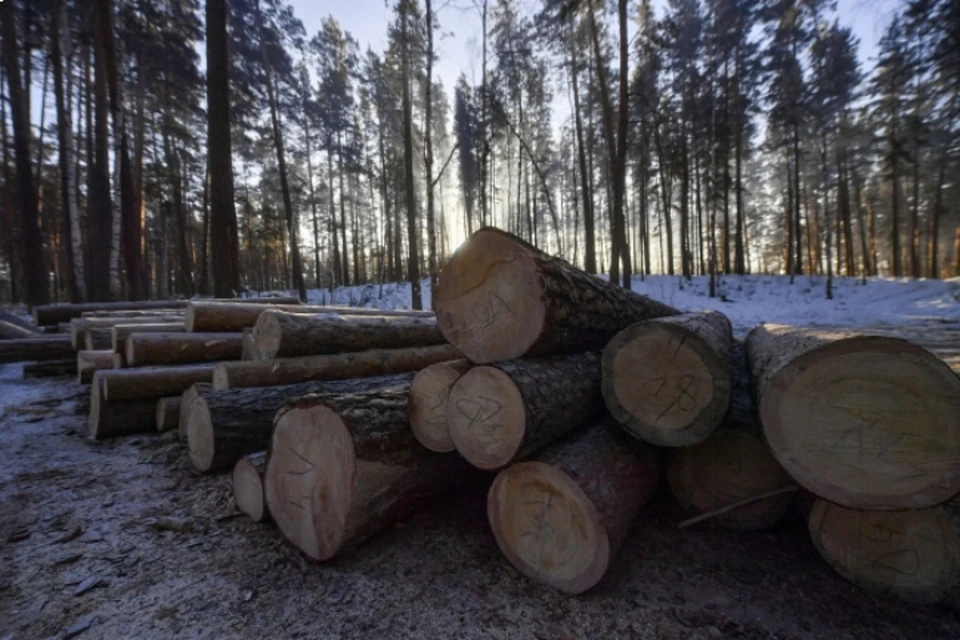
(570, 399)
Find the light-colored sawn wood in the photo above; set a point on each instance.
(427, 404)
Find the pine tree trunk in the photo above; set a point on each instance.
(35, 272)
(413, 268)
(428, 150)
(934, 250)
(223, 218)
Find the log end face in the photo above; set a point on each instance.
(189, 317)
(913, 555)
(311, 479)
(129, 349)
(267, 334)
(221, 377)
(730, 466)
(248, 490)
(96, 393)
(665, 385)
(200, 437)
(886, 433)
(427, 406)
(488, 299)
(487, 417)
(547, 527)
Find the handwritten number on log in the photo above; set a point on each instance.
(489, 313)
(312, 467)
(479, 411)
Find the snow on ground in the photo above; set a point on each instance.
(748, 300)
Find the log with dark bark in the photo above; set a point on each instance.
(343, 467)
(186, 401)
(41, 348)
(499, 298)
(222, 426)
(866, 422)
(89, 362)
(121, 417)
(283, 335)
(561, 518)
(152, 382)
(52, 314)
(168, 413)
(13, 327)
(667, 381)
(503, 412)
(143, 349)
(361, 364)
(119, 333)
(248, 486)
(913, 555)
(427, 404)
(79, 326)
(128, 313)
(50, 368)
(205, 315)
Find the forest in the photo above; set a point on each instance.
(184, 148)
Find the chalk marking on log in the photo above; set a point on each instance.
(313, 467)
(480, 410)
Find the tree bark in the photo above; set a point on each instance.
(152, 382)
(344, 467)
(247, 480)
(223, 217)
(35, 349)
(500, 299)
(80, 326)
(120, 332)
(52, 315)
(186, 401)
(913, 555)
(119, 418)
(504, 412)
(212, 315)
(668, 381)
(427, 404)
(153, 349)
(376, 362)
(864, 421)
(562, 518)
(413, 263)
(281, 335)
(50, 368)
(223, 426)
(35, 271)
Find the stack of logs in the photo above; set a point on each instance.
(574, 395)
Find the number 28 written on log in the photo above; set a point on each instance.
(683, 393)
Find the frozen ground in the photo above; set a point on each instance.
(122, 539)
(750, 300)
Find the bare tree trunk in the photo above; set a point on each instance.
(344, 267)
(36, 274)
(428, 142)
(409, 182)
(223, 217)
(61, 48)
(935, 219)
(205, 237)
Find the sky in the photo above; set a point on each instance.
(459, 50)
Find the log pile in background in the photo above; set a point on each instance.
(213, 315)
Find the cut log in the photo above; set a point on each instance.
(133, 314)
(733, 465)
(98, 339)
(186, 401)
(120, 418)
(343, 467)
(362, 364)
(427, 404)
(181, 348)
(283, 335)
(667, 381)
(248, 351)
(52, 314)
(500, 298)
(79, 326)
(223, 426)
(236, 316)
(913, 555)
(248, 486)
(168, 413)
(50, 368)
(152, 382)
(504, 412)
(13, 327)
(728, 467)
(561, 518)
(89, 362)
(119, 333)
(41, 348)
(866, 422)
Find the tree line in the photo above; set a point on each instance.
(712, 137)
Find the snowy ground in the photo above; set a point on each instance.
(749, 300)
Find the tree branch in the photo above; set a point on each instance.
(444, 168)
